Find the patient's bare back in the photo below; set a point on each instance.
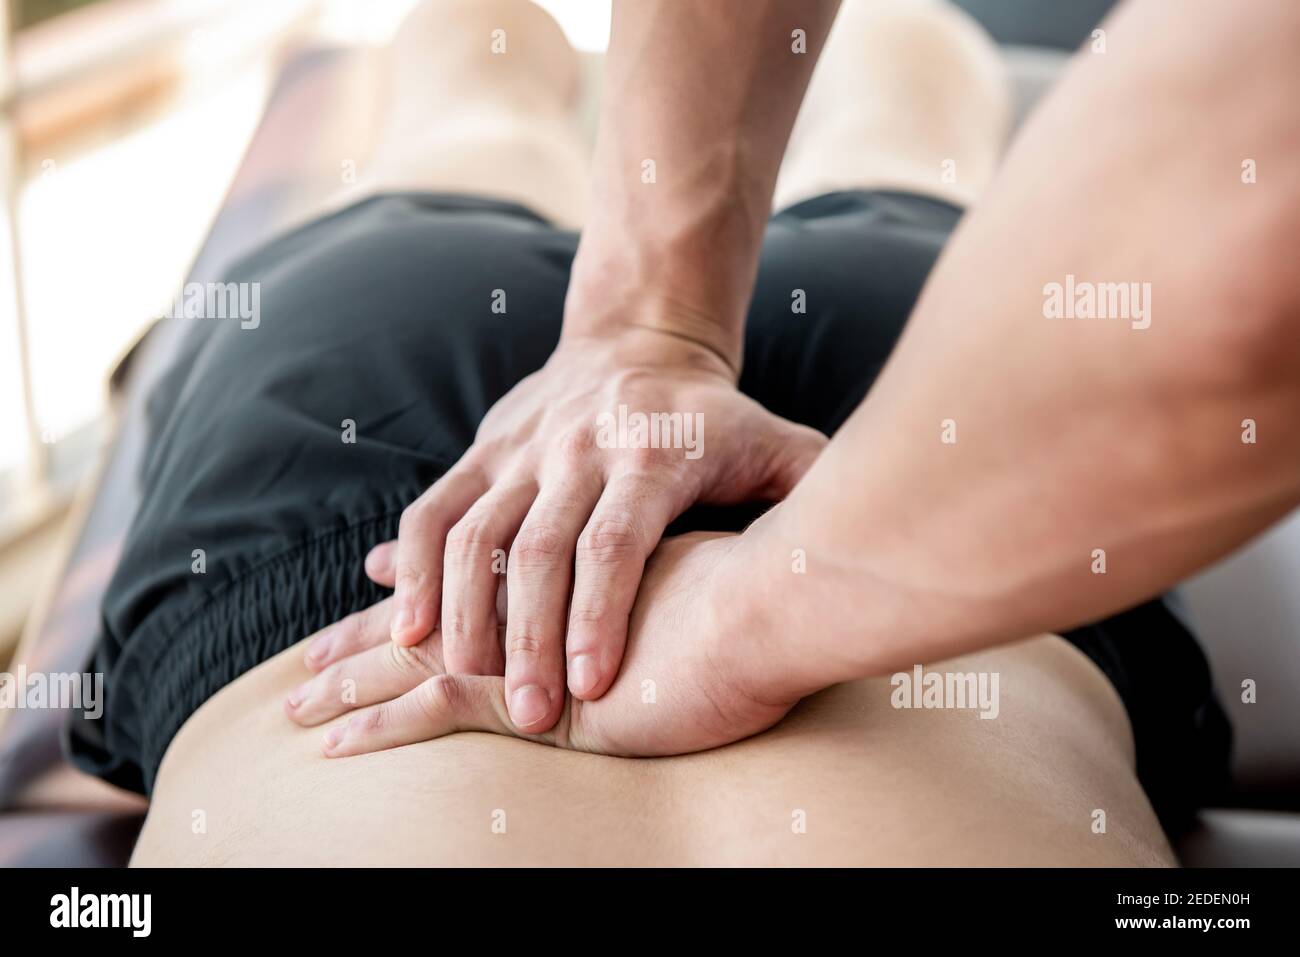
(854, 775)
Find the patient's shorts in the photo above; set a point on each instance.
(378, 321)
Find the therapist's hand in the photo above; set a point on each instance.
(692, 131)
(691, 679)
(577, 517)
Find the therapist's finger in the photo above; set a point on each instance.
(538, 581)
(379, 564)
(371, 676)
(472, 566)
(357, 632)
(379, 568)
(442, 705)
(421, 537)
(624, 529)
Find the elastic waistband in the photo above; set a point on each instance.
(183, 654)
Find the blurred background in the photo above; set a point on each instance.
(122, 123)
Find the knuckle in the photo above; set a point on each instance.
(406, 661)
(576, 444)
(526, 641)
(589, 611)
(410, 577)
(410, 570)
(455, 626)
(645, 459)
(476, 464)
(414, 520)
(467, 540)
(609, 539)
(438, 698)
(538, 544)
(372, 720)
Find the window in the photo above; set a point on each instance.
(122, 126)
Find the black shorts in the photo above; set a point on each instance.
(256, 515)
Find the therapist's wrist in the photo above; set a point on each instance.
(802, 616)
(673, 281)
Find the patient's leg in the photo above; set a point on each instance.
(909, 95)
(846, 778)
(475, 96)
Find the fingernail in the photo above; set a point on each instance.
(401, 622)
(334, 735)
(583, 674)
(529, 705)
(299, 694)
(319, 647)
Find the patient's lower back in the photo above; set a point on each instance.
(846, 779)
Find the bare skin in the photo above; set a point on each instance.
(875, 785)
(438, 110)
(938, 131)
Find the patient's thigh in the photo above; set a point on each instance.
(847, 778)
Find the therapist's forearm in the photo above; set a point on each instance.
(1012, 473)
(699, 102)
